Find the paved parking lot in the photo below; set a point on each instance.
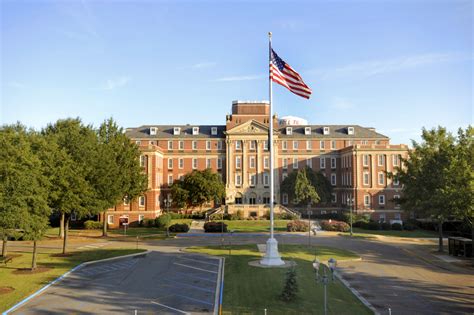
(156, 283)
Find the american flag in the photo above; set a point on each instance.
(282, 73)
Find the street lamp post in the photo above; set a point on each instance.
(325, 283)
(316, 265)
(167, 206)
(350, 202)
(332, 266)
(309, 228)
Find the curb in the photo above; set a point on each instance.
(219, 288)
(357, 294)
(25, 300)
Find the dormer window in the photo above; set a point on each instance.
(176, 131)
(289, 131)
(307, 130)
(153, 131)
(325, 130)
(195, 131)
(350, 130)
(214, 131)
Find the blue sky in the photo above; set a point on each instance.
(393, 65)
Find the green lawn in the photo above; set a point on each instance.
(248, 226)
(26, 284)
(409, 234)
(249, 290)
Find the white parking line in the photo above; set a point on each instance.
(194, 277)
(171, 308)
(203, 262)
(190, 285)
(195, 300)
(195, 268)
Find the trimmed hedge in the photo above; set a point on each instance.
(332, 225)
(397, 227)
(215, 227)
(163, 220)
(93, 225)
(297, 226)
(179, 228)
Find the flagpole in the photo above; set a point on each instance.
(271, 135)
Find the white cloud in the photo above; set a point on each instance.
(241, 78)
(116, 83)
(377, 67)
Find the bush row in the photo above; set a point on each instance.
(215, 227)
(93, 225)
(297, 226)
(332, 225)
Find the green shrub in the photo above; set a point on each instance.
(409, 226)
(396, 226)
(93, 225)
(297, 226)
(332, 225)
(371, 225)
(215, 227)
(290, 289)
(385, 226)
(175, 215)
(163, 221)
(148, 222)
(179, 228)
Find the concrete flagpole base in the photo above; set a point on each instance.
(272, 257)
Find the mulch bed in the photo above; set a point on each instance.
(5, 290)
(28, 271)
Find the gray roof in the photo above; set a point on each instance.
(335, 131)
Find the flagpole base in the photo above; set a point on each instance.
(272, 257)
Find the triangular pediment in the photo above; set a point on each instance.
(249, 127)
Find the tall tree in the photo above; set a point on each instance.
(305, 193)
(316, 180)
(198, 188)
(436, 178)
(117, 173)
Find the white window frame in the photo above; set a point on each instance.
(295, 144)
(176, 131)
(265, 145)
(266, 162)
(181, 163)
(284, 145)
(333, 197)
(208, 163)
(333, 163)
(266, 179)
(309, 162)
(195, 145)
(170, 179)
(395, 160)
(181, 145)
(326, 130)
(366, 178)
(309, 144)
(138, 142)
(213, 131)
(365, 160)
(252, 145)
(219, 163)
(238, 180)
(170, 164)
(141, 201)
(322, 162)
(142, 160)
(322, 145)
(381, 178)
(333, 179)
(208, 145)
(367, 200)
(295, 163)
(289, 131)
(219, 145)
(195, 163)
(238, 162)
(238, 145)
(110, 219)
(380, 159)
(170, 145)
(307, 131)
(350, 130)
(141, 218)
(333, 144)
(284, 162)
(381, 200)
(284, 199)
(252, 179)
(252, 162)
(195, 131)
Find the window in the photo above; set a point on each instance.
(170, 163)
(382, 217)
(141, 217)
(153, 131)
(366, 178)
(170, 145)
(214, 131)
(397, 216)
(381, 199)
(180, 176)
(110, 219)
(208, 145)
(333, 179)
(309, 163)
(252, 180)
(181, 163)
(295, 145)
(252, 162)
(195, 145)
(289, 131)
(284, 163)
(266, 162)
(377, 142)
(321, 145)
(219, 163)
(195, 163)
(141, 201)
(381, 159)
(181, 145)
(365, 142)
(283, 176)
(326, 130)
(307, 130)
(350, 130)
(138, 142)
(253, 145)
(157, 200)
(284, 145)
(333, 162)
(333, 144)
(73, 216)
(176, 131)
(266, 180)
(208, 163)
(395, 181)
(170, 179)
(238, 145)
(381, 178)
(126, 201)
(365, 159)
(142, 160)
(265, 145)
(367, 200)
(395, 160)
(238, 180)
(284, 199)
(309, 145)
(322, 162)
(219, 145)
(238, 162)
(195, 131)
(295, 163)
(333, 197)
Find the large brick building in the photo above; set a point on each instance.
(355, 160)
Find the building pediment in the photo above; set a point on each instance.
(249, 127)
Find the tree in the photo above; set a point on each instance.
(290, 289)
(437, 177)
(198, 188)
(305, 193)
(316, 180)
(117, 171)
(23, 187)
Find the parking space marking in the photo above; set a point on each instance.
(189, 285)
(192, 276)
(210, 271)
(195, 300)
(200, 261)
(171, 308)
